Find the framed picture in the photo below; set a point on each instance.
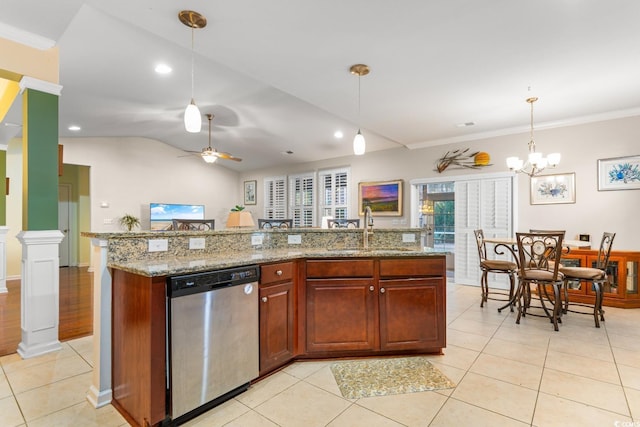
(619, 173)
(553, 189)
(383, 197)
(250, 192)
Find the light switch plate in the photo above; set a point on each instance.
(294, 239)
(408, 237)
(256, 239)
(158, 245)
(196, 243)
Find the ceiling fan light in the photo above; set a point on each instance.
(192, 118)
(209, 157)
(359, 144)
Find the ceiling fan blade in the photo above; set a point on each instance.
(227, 156)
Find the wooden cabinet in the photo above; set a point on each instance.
(375, 305)
(622, 287)
(340, 305)
(412, 295)
(276, 315)
(139, 347)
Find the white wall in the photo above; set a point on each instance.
(581, 146)
(129, 173)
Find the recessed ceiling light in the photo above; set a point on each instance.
(465, 124)
(74, 128)
(163, 69)
(338, 134)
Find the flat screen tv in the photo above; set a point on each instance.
(162, 214)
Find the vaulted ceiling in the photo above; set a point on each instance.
(276, 74)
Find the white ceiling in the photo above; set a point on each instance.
(275, 73)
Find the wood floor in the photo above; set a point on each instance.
(76, 309)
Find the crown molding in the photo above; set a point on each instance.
(612, 115)
(26, 38)
(40, 85)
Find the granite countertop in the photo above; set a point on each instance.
(171, 266)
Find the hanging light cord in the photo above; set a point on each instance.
(532, 144)
(192, 63)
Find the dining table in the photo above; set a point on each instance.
(511, 244)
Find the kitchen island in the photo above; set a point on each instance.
(316, 301)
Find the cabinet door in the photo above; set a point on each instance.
(276, 325)
(340, 315)
(570, 260)
(616, 275)
(412, 314)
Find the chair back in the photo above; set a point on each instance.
(193, 224)
(266, 223)
(533, 230)
(540, 251)
(605, 250)
(482, 246)
(343, 223)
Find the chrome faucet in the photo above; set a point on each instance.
(368, 227)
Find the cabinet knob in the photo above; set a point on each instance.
(371, 288)
(382, 290)
(264, 299)
(278, 272)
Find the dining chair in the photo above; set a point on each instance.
(596, 275)
(343, 223)
(193, 224)
(494, 266)
(266, 223)
(539, 262)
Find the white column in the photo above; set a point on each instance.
(100, 391)
(40, 292)
(3, 258)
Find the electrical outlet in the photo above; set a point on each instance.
(256, 239)
(294, 239)
(196, 243)
(408, 237)
(158, 245)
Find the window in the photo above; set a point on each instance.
(301, 199)
(275, 197)
(437, 214)
(334, 193)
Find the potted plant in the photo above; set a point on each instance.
(129, 222)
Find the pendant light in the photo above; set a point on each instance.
(359, 144)
(536, 162)
(192, 116)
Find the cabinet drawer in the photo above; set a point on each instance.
(271, 273)
(411, 267)
(340, 268)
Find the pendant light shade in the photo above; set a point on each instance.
(359, 144)
(192, 116)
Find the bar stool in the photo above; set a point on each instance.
(495, 266)
(539, 262)
(597, 276)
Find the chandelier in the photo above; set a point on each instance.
(536, 162)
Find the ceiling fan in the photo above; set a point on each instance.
(209, 154)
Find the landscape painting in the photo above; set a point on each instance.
(383, 197)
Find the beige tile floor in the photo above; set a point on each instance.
(506, 375)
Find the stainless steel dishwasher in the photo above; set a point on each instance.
(213, 339)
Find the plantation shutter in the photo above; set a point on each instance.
(486, 204)
(334, 193)
(301, 200)
(275, 197)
